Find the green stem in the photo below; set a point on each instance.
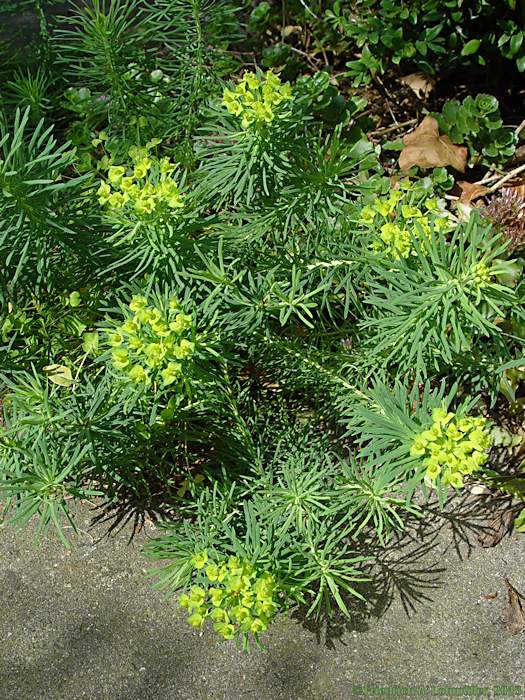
(199, 69)
(44, 33)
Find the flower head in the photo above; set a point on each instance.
(256, 98)
(452, 447)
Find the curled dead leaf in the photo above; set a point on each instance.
(291, 29)
(515, 189)
(419, 83)
(479, 490)
(519, 154)
(59, 374)
(470, 191)
(515, 610)
(427, 148)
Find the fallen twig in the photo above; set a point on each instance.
(489, 176)
(507, 177)
(308, 9)
(519, 128)
(310, 60)
(394, 127)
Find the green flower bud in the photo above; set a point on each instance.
(227, 631)
(171, 373)
(137, 303)
(240, 614)
(184, 601)
(219, 615)
(258, 626)
(181, 323)
(138, 375)
(130, 327)
(197, 595)
(196, 619)
(212, 572)
(199, 560)
(115, 340)
(120, 359)
(156, 75)
(216, 594)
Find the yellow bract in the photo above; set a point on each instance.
(397, 222)
(255, 98)
(241, 600)
(151, 344)
(146, 185)
(452, 447)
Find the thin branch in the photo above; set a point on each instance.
(394, 127)
(308, 9)
(507, 177)
(519, 128)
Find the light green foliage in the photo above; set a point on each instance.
(398, 222)
(233, 317)
(519, 522)
(37, 204)
(29, 90)
(145, 187)
(428, 310)
(257, 100)
(416, 437)
(247, 158)
(476, 122)
(39, 477)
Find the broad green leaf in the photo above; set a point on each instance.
(471, 47)
(519, 522)
(516, 42)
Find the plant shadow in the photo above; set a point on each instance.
(411, 567)
(176, 467)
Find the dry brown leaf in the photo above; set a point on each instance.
(470, 191)
(480, 490)
(426, 148)
(515, 610)
(519, 154)
(490, 596)
(419, 83)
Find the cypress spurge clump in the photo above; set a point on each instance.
(216, 303)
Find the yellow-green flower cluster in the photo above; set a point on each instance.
(153, 343)
(256, 98)
(479, 275)
(395, 221)
(146, 185)
(452, 447)
(234, 596)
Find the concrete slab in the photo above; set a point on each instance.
(85, 624)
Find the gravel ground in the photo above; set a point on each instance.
(85, 623)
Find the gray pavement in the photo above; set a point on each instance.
(85, 623)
